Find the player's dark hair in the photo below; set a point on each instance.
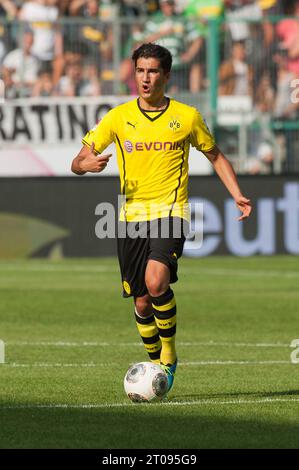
(155, 51)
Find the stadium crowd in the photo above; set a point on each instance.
(77, 48)
(67, 47)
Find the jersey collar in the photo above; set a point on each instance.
(145, 113)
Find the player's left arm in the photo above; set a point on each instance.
(228, 176)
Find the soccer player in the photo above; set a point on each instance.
(153, 134)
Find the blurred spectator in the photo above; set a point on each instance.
(238, 10)
(84, 8)
(71, 82)
(23, 65)
(76, 83)
(89, 35)
(42, 17)
(64, 7)
(105, 9)
(170, 30)
(138, 7)
(262, 41)
(73, 55)
(44, 85)
(288, 69)
(8, 10)
(95, 38)
(91, 85)
(131, 9)
(204, 9)
(268, 8)
(262, 144)
(48, 42)
(265, 94)
(235, 75)
(283, 107)
(10, 89)
(271, 7)
(198, 13)
(262, 164)
(109, 9)
(288, 33)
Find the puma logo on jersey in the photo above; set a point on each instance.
(133, 125)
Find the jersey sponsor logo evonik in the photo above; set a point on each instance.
(148, 146)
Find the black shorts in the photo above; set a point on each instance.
(150, 240)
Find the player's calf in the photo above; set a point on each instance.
(147, 328)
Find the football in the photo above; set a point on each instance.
(145, 382)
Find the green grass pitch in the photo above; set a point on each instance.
(70, 337)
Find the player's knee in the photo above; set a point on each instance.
(143, 306)
(156, 286)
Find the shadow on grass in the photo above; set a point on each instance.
(152, 427)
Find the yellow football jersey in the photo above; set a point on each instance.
(152, 155)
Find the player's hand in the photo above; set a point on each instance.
(245, 207)
(94, 163)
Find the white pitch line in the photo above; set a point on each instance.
(65, 343)
(57, 268)
(247, 272)
(131, 344)
(57, 364)
(228, 344)
(224, 363)
(186, 363)
(265, 400)
(114, 269)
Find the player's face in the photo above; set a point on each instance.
(150, 79)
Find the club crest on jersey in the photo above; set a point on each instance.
(174, 124)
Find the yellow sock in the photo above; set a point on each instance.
(150, 336)
(164, 308)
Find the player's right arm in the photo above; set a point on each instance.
(88, 161)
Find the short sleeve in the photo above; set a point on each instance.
(102, 134)
(201, 137)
